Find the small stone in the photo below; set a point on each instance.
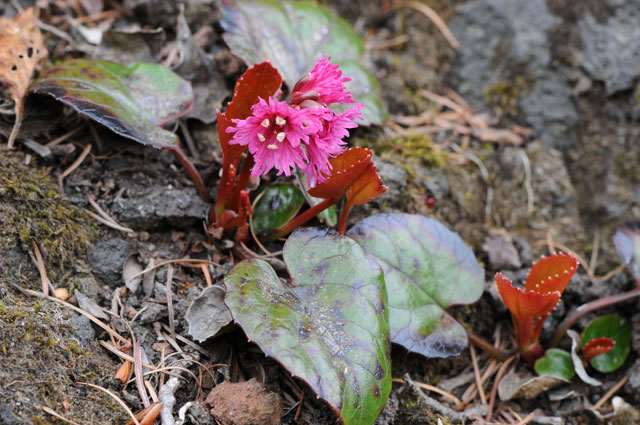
(244, 403)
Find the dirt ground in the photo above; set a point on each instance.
(534, 68)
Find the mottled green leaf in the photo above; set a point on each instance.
(277, 205)
(293, 36)
(556, 362)
(329, 216)
(618, 329)
(427, 268)
(133, 101)
(328, 325)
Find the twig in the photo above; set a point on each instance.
(473, 412)
(494, 389)
(594, 253)
(437, 20)
(107, 222)
(53, 413)
(15, 129)
(549, 241)
(137, 367)
(432, 388)
(74, 308)
(170, 300)
(483, 172)
(476, 371)
(75, 164)
(115, 397)
(41, 268)
(611, 392)
(527, 180)
(179, 260)
(187, 138)
(104, 215)
(65, 136)
(168, 400)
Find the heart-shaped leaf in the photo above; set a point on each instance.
(556, 362)
(329, 326)
(427, 268)
(277, 205)
(627, 242)
(345, 170)
(293, 36)
(618, 329)
(133, 101)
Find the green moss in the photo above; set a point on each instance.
(418, 146)
(503, 97)
(32, 208)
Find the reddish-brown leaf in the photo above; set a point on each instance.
(259, 81)
(21, 50)
(366, 188)
(346, 168)
(148, 415)
(551, 274)
(597, 346)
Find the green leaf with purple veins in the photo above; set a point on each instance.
(133, 100)
(293, 36)
(328, 326)
(427, 268)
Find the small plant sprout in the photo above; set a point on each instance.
(530, 308)
(596, 347)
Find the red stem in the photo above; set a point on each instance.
(577, 313)
(193, 172)
(229, 171)
(243, 181)
(486, 346)
(298, 221)
(344, 214)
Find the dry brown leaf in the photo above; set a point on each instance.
(21, 51)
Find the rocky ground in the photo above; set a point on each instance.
(562, 75)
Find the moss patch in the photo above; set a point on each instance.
(31, 207)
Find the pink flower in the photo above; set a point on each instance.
(304, 133)
(329, 142)
(275, 134)
(324, 84)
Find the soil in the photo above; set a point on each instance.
(533, 64)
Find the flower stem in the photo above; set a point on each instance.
(580, 311)
(344, 214)
(193, 172)
(486, 346)
(298, 221)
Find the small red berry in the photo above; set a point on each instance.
(430, 201)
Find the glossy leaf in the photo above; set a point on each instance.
(627, 242)
(427, 268)
(133, 101)
(277, 204)
(346, 168)
(328, 326)
(556, 362)
(259, 81)
(366, 188)
(551, 274)
(616, 328)
(528, 310)
(596, 347)
(329, 217)
(293, 36)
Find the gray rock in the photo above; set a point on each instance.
(153, 312)
(83, 330)
(634, 376)
(145, 208)
(106, 259)
(7, 416)
(394, 177)
(503, 41)
(502, 253)
(208, 314)
(611, 50)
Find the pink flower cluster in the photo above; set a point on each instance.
(303, 133)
